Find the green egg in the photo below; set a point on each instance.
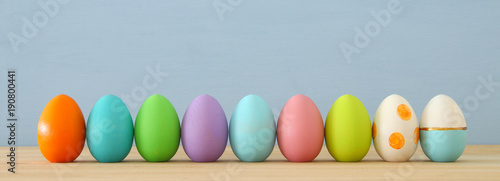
(157, 129)
(348, 130)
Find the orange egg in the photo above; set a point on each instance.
(61, 130)
(374, 130)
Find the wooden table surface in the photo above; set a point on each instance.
(477, 162)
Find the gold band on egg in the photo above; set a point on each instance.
(442, 129)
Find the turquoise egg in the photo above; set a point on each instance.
(443, 130)
(110, 130)
(252, 130)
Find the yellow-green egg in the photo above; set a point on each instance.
(348, 129)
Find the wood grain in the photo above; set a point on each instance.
(477, 162)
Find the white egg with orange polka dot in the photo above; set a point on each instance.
(395, 129)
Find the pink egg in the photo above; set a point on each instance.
(300, 129)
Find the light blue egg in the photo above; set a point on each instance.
(443, 146)
(252, 130)
(110, 130)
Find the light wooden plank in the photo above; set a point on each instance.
(478, 162)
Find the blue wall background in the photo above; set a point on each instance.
(275, 49)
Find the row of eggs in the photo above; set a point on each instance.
(252, 130)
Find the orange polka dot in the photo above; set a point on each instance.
(374, 130)
(404, 112)
(416, 135)
(396, 140)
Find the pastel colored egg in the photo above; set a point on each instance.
(300, 129)
(348, 129)
(61, 130)
(252, 130)
(110, 130)
(204, 129)
(157, 129)
(395, 129)
(443, 131)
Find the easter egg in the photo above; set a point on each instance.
(443, 132)
(204, 129)
(348, 129)
(61, 130)
(110, 130)
(300, 130)
(395, 129)
(252, 130)
(157, 129)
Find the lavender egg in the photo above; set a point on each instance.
(204, 130)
